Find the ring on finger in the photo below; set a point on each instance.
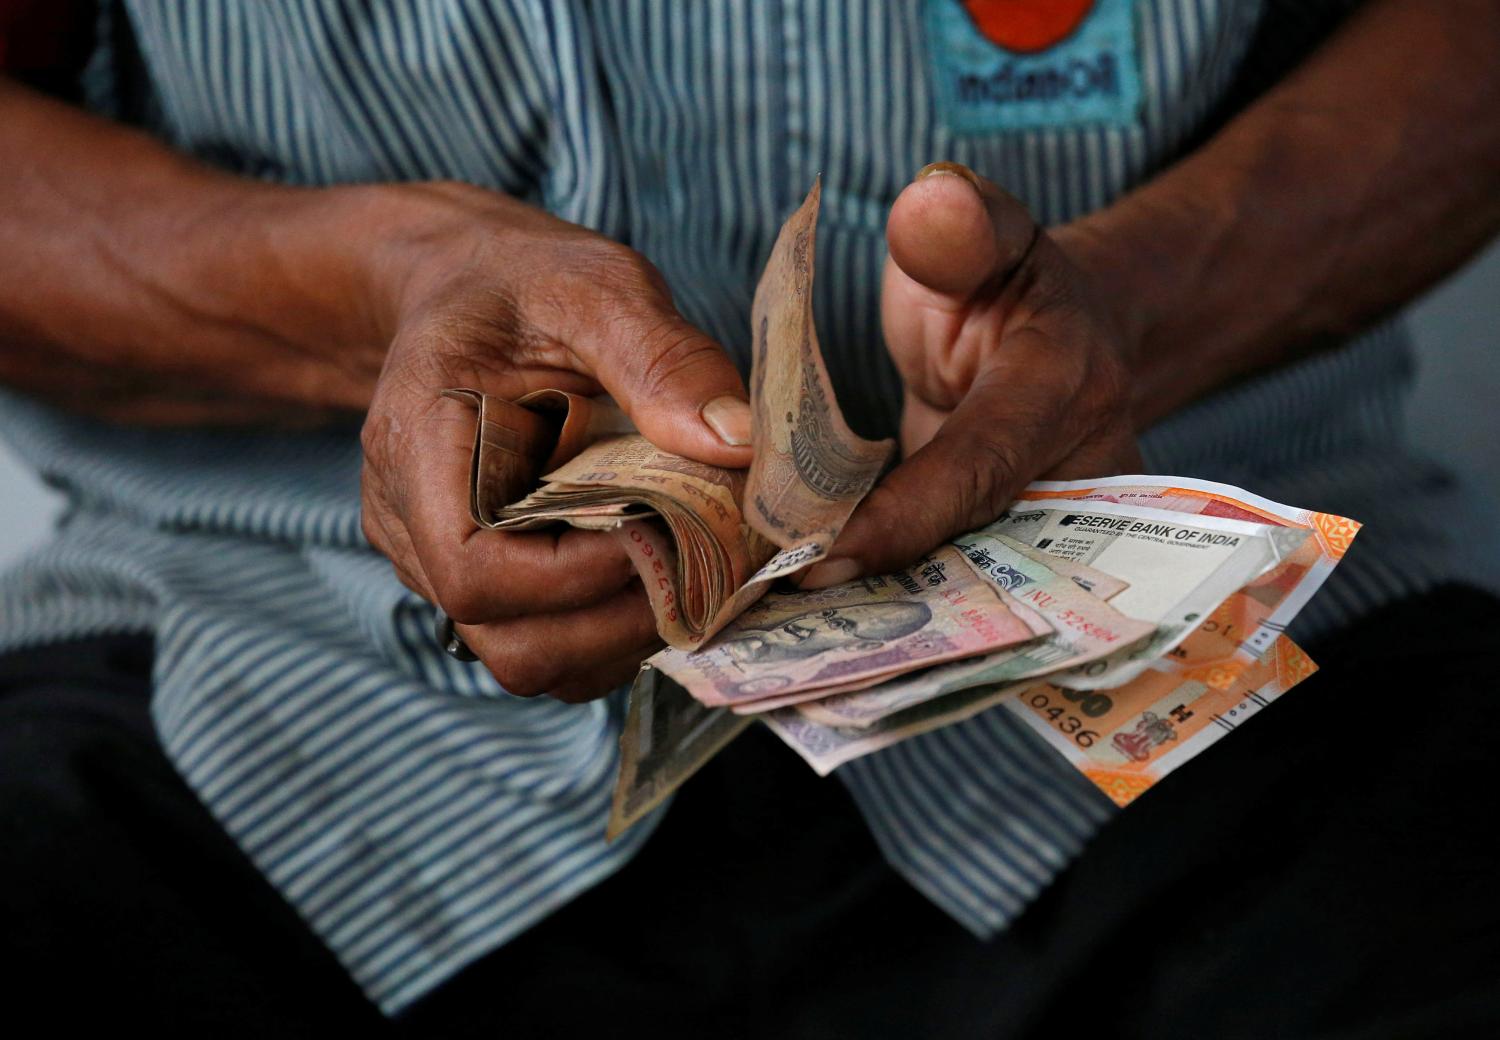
(452, 643)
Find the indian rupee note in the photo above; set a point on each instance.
(803, 641)
(1179, 568)
(810, 470)
(825, 748)
(1246, 624)
(1063, 718)
(1084, 629)
(668, 736)
(1128, 738)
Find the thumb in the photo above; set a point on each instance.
(955, 233)
(677, 385)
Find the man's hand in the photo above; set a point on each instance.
(1013, 370)
(142, 286)
(500, 297)
(506, 299)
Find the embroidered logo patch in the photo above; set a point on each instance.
(1019, 64)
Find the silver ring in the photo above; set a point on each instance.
(452, 643)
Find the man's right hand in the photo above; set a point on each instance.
(139, 285)
(497, 296)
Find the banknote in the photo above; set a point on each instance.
(1251, 619)
(668, 736)
(706, 541)
(1217, 670)
(1138, 741)
(825, 747)
(799, 643)
(1090, 579)
(1129, 620)
(708, 550)
(1128, 738)
(1179, 568)
(810, 470)
(864, 680)
(1084, 628)
(517, 441)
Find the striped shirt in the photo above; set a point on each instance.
(414, 813)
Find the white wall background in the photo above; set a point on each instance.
(1455, 412)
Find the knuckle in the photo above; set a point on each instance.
(1110, 388)
(374, 434)
(462, 599)
(373, 531)
(592, 287)
(671, 349)
(620, 267)
(596, 274)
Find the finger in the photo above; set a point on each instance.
(479, 575)
(920, 423)
(606, 678)
(386, 533)
(957, 245)
(390, 539)
(532, 655)
(677, 385)
(1003, 433)
(955, 233)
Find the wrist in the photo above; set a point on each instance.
(1114, 279)
(323, 277)
(1146, 263)
(305, 267)
(415, 237)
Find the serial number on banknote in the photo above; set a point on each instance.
(1092, 704)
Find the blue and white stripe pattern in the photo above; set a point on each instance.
(414, 813)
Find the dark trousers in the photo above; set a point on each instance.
(1325, 871)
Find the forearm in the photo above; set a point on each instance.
(136, 282)
(1367, 175)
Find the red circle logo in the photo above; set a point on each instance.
(1027, 26)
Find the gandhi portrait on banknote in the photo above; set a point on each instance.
(856, 626)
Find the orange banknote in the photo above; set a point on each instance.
(1128, 738)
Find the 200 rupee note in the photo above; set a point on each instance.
(1126, 739)
(1246, 624)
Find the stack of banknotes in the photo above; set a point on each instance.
(1129, 621)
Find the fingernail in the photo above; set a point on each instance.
(729, 417)
(951, 169)
(829, 572)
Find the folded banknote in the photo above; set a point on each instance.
(707, 541)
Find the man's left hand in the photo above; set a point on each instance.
(1014, 369)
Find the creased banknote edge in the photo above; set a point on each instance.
(625, 781)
